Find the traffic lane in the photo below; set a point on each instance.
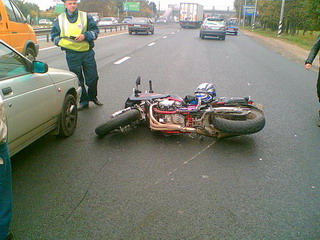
(274, 150)
(281, 148)
(247, 149)
(108, 48)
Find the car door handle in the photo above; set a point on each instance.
(6, 91)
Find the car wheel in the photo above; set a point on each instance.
(130, 32)
(30, 54)
(223, 38)
(201, 36)
(68, 116)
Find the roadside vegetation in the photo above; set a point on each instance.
(301, 20)
(304, 41)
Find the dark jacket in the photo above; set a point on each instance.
(91, 33)
(314, 51)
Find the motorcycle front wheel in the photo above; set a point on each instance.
(117, 122)
(252, 123)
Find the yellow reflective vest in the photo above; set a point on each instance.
(70, 30)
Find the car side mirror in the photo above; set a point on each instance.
(39, 67)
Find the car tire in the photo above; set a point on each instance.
(30, 54)
(130, 32)
(68, 116)
(201, 36)
(223, 38)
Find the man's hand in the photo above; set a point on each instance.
(80, 38)
(307, 66)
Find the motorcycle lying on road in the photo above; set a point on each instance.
(202, 113)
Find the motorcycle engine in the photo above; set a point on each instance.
(168, 105)
(171, 105)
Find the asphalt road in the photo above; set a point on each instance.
(142, 185)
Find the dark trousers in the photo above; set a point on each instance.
(5, 191)
(84, 66)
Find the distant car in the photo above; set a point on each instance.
(105, 21)
(127, 19)
(37, 100)
(141, 25)
(162, 20)
(214, 27)
(232, 26)
(45, 22)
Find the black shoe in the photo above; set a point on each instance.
(9, 236)
(83, 106)
(97, 102)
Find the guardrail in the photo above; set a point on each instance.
(116, 27)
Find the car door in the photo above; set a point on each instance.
(3, 28)
(30, 98)
(18, 29)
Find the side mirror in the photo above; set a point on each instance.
(39, 67)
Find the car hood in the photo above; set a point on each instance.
(59, 75)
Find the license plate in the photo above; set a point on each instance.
(136, 25)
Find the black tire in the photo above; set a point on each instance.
(252, 124)
(30, 54)
(223, 38)
(117, 122)
(201, 36)
(68, 116)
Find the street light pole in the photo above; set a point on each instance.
(244, 11)
(254, 15)
(281, 19)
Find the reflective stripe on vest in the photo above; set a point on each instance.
(68, 30)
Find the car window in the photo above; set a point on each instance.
(11, 63)
(139, 20)
(13, 12)
(214, 22)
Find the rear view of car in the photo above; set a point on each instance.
(232, 26)
(105, 21)
(213, 27)
(141, 25)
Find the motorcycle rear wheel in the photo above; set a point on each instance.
(253, 123)
(122, 120)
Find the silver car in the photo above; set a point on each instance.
(214, 27)
(37, 100)
(141, 25)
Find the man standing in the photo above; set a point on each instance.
(74, 31)
(5, 180)
(308, 64)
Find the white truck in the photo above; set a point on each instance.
(191, 15)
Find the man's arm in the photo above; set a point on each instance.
(93, 30)
(55, 33)
(313, 52)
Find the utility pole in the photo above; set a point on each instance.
(281, 19)
(254, 15)
(244, 11)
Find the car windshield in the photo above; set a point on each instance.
(139, 20)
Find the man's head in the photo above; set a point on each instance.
(71, 5)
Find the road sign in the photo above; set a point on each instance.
(131, 6)
(249, 10)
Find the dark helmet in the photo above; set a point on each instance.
(205, 92)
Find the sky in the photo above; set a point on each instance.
(208, 4)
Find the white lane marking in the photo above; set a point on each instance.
(172, 33)
(42, 49)
(151, 44)
(122, 60)
(165, 37)
(178, 30)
